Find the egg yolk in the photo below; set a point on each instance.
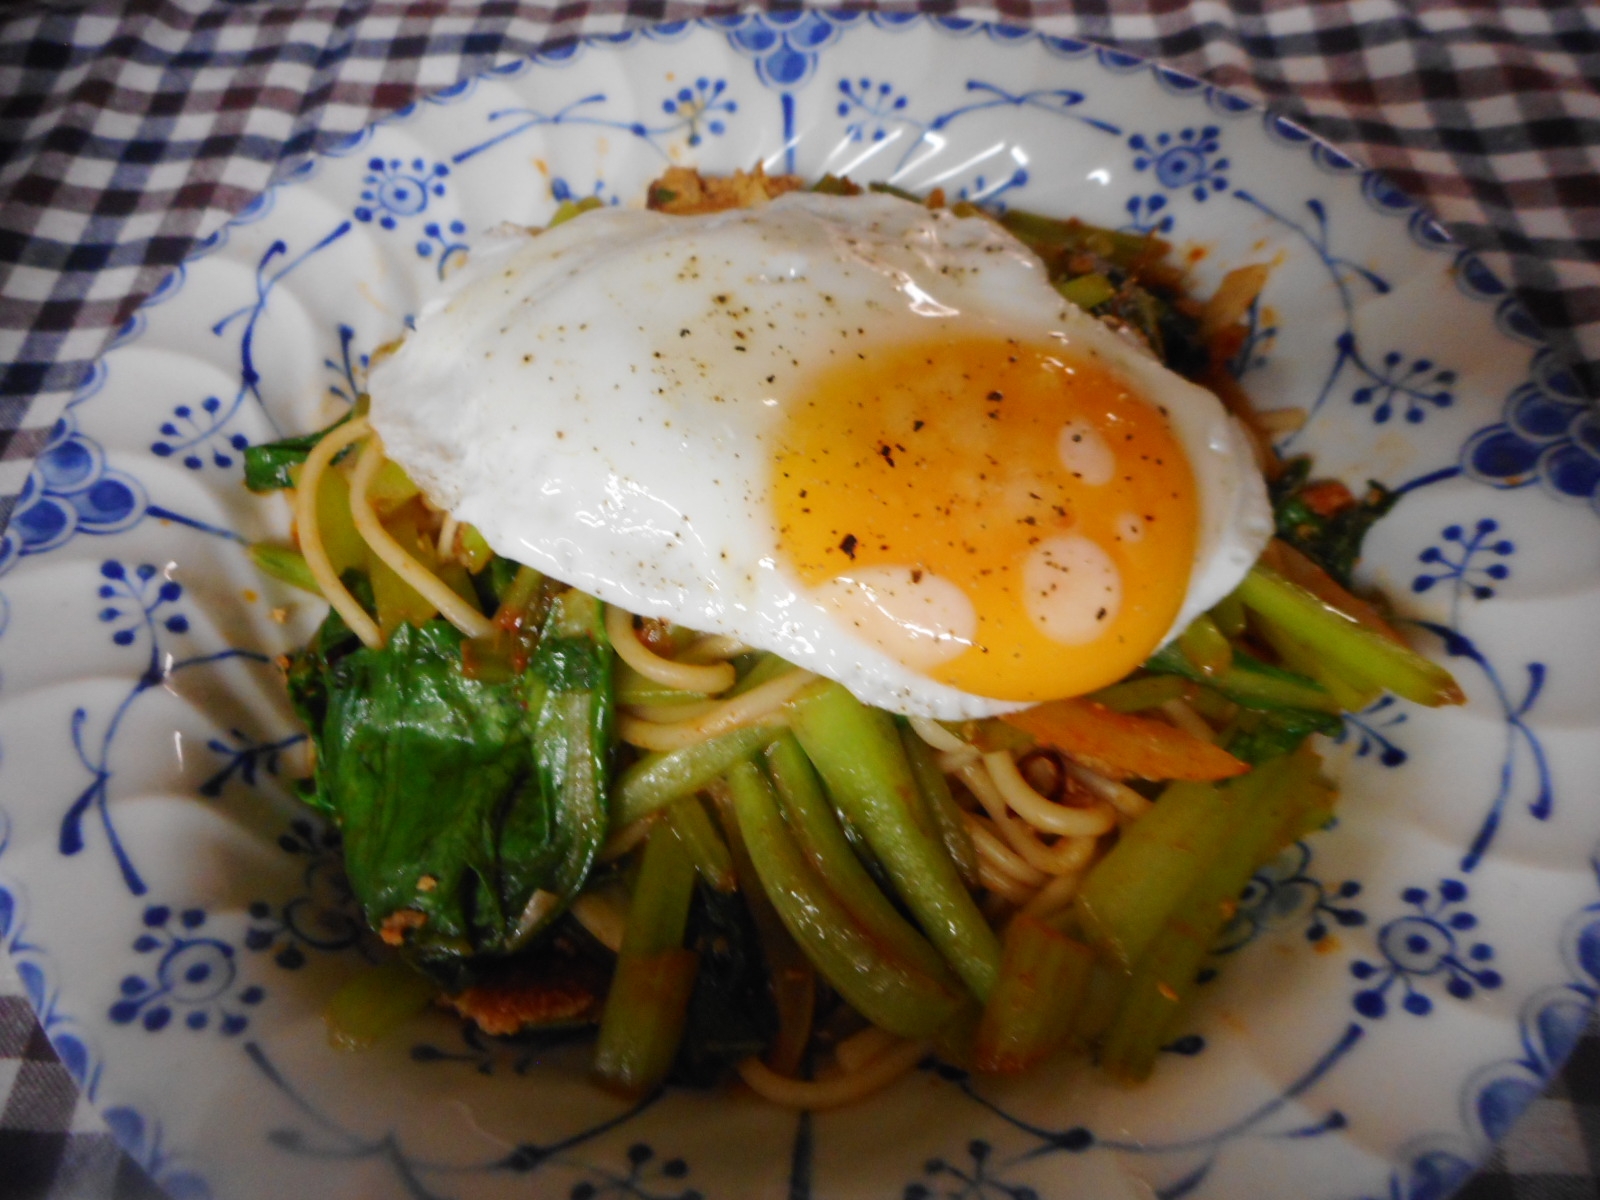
(1005, 517)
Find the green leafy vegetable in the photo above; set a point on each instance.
(1332, 541)
(731, 1014)
(471, 809)
(268, 467)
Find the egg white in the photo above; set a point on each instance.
(600, 400)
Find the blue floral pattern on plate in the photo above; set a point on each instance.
(988, 113)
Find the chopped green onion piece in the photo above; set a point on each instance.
(644, 1018)
(1128, 895)
(1164, 980)
(794, 979)
(767, 668)
(568, 209)
(1136, 695)
(375, 1003)
(1087, 291)
(1249, 682)
(648, 1003)
(1229, 615)
(658, 911)
(475, 551)
(284, 564)
(941, 805)
(816, 830)
(634, 688)
(1206, 647)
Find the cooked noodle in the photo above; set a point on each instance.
(998, 883)
(1119, 795)
(841, 1089)
(754, 705)
(625, 839)
(1054, 896)
(997, 854)
(310, 534)
(1044, 814)
(1066, 855)
(706, 679)
(446, 545)
(667, 714)
(861, 1049)
(713, 648)
(937, 736)
(452, 607)
(1185, 718)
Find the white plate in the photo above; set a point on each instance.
(1400, 985)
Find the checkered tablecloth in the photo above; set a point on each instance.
(129, 131)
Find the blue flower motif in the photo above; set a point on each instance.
(141, 1140)
(243, 757)
(985, 191)
(193, 430)
(133, 601)
(1453, 562)
(561, 191)
(1148, 214)
(485, 1054)
(194, 975)
(696, 107)
(347, 385)
(69, 490)
(446, 239)
(1187, 161)
(324, 916)
(1548, 434)
(976, 1183)
(644, 1176)
(879, 107)
(394, 188)
(1283, 892)
(1426, 944)
(1368, 727)
(1415, 384)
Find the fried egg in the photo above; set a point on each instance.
(862, 434)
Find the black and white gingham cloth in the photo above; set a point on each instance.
(128, 131)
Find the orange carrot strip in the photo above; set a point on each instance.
(1122, 744)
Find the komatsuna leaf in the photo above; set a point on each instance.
(269, 467)
(471, 809)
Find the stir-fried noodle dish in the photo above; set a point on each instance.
(788, 630)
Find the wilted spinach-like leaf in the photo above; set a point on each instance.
(471, 808)
(268, 467)
(1332, 540)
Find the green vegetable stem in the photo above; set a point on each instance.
(815, 828)
(941, 805)
(648, 1004)
(1128, 895)
(1361, 655)
(1266, 801)
(857, 752)
(1043, 975)
(887, 990)
(658, 779)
